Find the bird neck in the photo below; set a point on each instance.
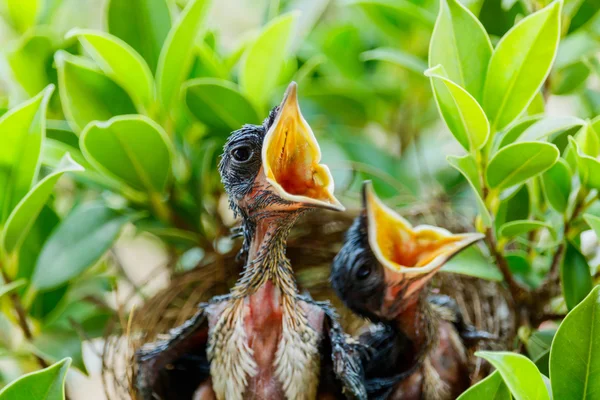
(266, 260)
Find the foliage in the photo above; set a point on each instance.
(112, 121)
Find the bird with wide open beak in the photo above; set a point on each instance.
(263, 340)
(381, 273)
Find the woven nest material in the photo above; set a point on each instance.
(311, 248)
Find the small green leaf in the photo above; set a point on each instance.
(23, 13)
(518, 162)
(594, 222)
(556, 182)
(575, 276)
(538, 348)
(46, 384)
(514, 132)
(519, 373)
(397, 10)
(87, 94)
(396, 56)
(467, 166)
(143, 24)
(218, 104)
(574, 361)
(29, 59)
(132, 148)
(121, 63)
(549, 126)
(7, 288)
(587, 167)
(463, 115)
(264, 60)
(520, 64)
(53, 344)
(22, 130)
(461, 45)
(177, 54)
(472, 262)
(588, 141)
(25, 213)
(77, 244)
(515, 228)
(490, 388)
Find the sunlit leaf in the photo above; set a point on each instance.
(574, 365)
(518, 162)
(177, 54)
(467, 166)
(588, 167)
(398, 57)
(23, 13)
(143, 24)
(472, 262)
(29, 59)
(121, 63)
(46, 384)
(490, 388)
(549, 126)
(575, 276)
(520, 64)
(461, 45)
(519, 373)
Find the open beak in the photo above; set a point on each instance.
(409, 253)
(291, 156)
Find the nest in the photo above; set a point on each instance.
(311, 247)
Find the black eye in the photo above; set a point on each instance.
(241, 153)
(363, 271)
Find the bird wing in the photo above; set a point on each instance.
(174, 367)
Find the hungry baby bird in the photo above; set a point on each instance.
(263, 340)
(381, 273)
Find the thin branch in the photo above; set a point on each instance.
(516, 290)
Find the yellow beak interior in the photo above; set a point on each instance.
(402, 248)
(291, 157)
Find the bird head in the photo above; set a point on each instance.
(274, 168)
(385, 262)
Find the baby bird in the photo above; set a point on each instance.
(263, 340)
(381, 273)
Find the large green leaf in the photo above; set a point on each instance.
(22, 131)
(219, 104)
(87, 94)
(467, 166)
(520, 64)
(519, 373)
(398, 57)
(264, 60)
(575, 276)
(25, 213)
(29, 59)
(143, 24)
(77, 244)
(46, 384)
(556, 182)
(515, 131)
(463, 115)
(574, 361)
(472, 262)
(121, 63)
(132, 148)
(177, 54)
(490, 388)
(23, 13)
(461, 45)
(518, 162)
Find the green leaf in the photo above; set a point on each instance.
(132, 148)
(490, 388)
(218, 104)
(461, 45)
(467, 166)
(25, 213)
(556, 182)
(594, 222)
(23, 13)
(574, 361)
(398, 10)
(396, 56)
(264, 59)
(472, 262)
(22, 131)
(29, 59)
(463, 115)
(518, 162)
(46, 384)
(549, 126)
(77, 244)
(588, 167)
(570, 78)
(177, 54)
(520, 64)
(515, 228)
(519, 373)
(538, 349)
(575, 276)
(53, 344)
(143, 24)
(588, 141)
(514, 132)
(121, 63)
(87, 94)
(7, 288)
